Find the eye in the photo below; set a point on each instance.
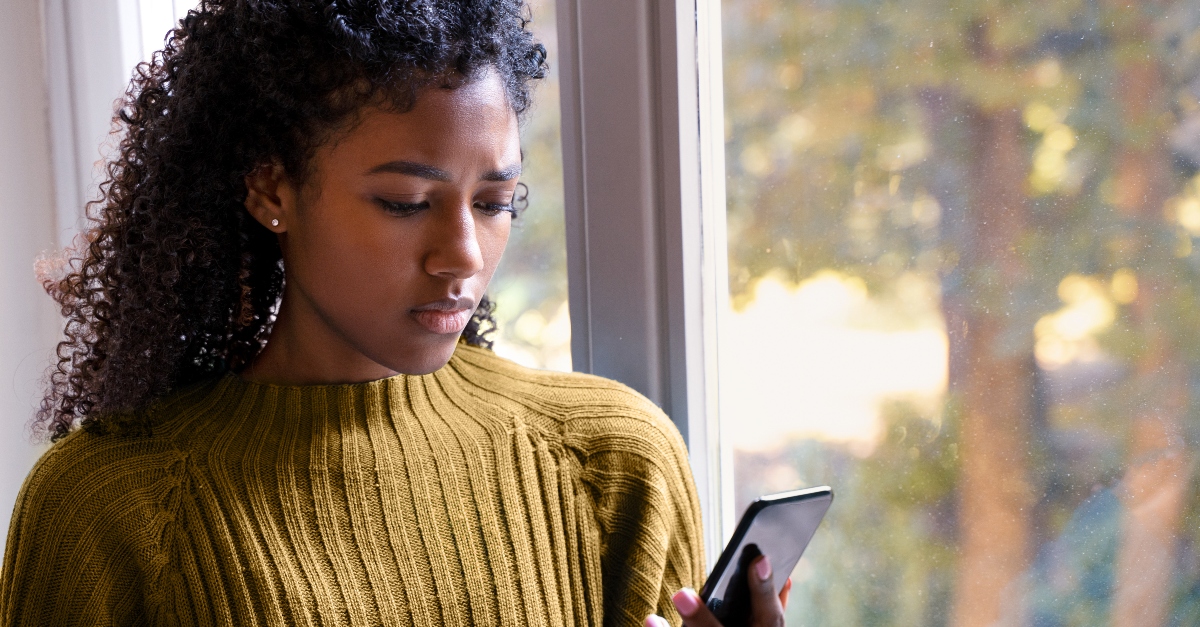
(402, 208)
(495, 209)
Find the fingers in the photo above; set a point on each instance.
(692, 609)
(765, 605)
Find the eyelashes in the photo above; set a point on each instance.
(411, 208)
(495, 209)
(401, 208)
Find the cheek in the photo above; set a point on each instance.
(352, 265)
(493, 239)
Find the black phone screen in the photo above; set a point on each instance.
(779, 526)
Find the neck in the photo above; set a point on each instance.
(303, 349)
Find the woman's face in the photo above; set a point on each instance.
(389, 245)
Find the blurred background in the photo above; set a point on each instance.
(964, 292)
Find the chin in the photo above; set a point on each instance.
(424, 359)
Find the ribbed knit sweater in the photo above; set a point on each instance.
(482, 494)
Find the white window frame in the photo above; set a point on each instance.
(644, 172)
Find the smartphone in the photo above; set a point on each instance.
(777, 525)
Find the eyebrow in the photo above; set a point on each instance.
(429, 172)
(505, 174)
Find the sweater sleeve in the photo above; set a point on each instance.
(70, 557)
(648, 514)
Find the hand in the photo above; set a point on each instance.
(766, 607)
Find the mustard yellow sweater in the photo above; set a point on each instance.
(482, 494)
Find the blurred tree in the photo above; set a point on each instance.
(1157, 480)
(1012, 152)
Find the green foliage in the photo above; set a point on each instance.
(883, 556)
(853, 144)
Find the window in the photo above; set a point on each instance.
(955, 280)
(963, 292)
(530, 287)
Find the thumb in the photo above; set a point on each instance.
(764, 601)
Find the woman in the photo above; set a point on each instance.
(276, 349)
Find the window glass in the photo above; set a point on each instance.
(964, 293)
(530, 287)
(156, 18)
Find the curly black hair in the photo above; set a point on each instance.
(175, 283)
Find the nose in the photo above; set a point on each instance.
(453, 248)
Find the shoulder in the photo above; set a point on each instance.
(82, 517)
(83, 526)
(85, 474)
(632, 462)
(102, 461)
(595, 413)
(90, 482)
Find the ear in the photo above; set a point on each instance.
(269, 197)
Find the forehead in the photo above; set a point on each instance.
(471, 121)
(485, 93)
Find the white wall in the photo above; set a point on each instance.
(28, 321)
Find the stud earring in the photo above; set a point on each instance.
(274, 221)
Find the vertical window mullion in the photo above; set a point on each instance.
(645, 241)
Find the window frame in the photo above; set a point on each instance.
(644, 172)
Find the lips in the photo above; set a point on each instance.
(446, 316)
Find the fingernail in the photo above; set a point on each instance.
(654, 620)
(763, 568)
(686, 601)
